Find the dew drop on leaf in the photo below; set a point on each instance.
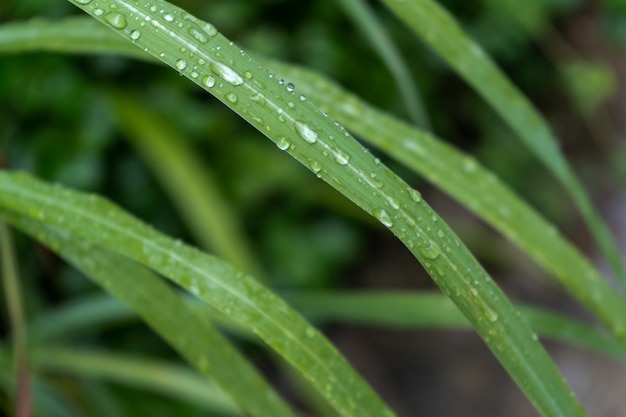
(135, 34)
(117, 20)
(342, 158)
(210, 29)
(290, 87)
(226, 72)
(431, 251)
(305, 132)
(198, 34)
(180, 64)
(416, 196)
(98, 12)
(208, 81)
(83, 1)
(232, 97)
(282, 143)
(383, 217)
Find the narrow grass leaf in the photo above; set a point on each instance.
(465, 180)
(367, 21)
(296, 126)
(75, 35)
(397, 310)
(188, 182)
(442, 33)
(171, 380)
(232, 292)
(22, 401)
(165, 311)
(434, 311)
(459, 175)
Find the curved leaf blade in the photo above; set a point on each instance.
(444, 35)
(191, 335)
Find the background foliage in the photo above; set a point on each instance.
(58, 122)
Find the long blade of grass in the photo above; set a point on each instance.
(232, 292)
(433, 311)
(464, 179)
(166, 312)
(461, 176)
(199, 52)
(168, 379)
(366, 20)
(13, 297)
(189, 183)
(444, 35)
(389, 309)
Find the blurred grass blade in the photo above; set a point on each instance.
(77, 34)
(389, 309)
(464, 179)
(457, 174)
(365, 19)
(13, 298)
(434, 311)
(167, 379)
(197, 51)
(78, 315)
(166, 312)
(442, 33)
(189, 183)
(31, 203)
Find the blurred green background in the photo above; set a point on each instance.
(56, 122)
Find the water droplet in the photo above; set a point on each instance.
(290, 104)
(180, 64)
(283, 143)
(302, 97)
(441, 233)
(305, 132)
(198, 34)
(342, 158)
(227, 73)
(232, 97)
(135, 34)
(208, 81)
(98, 12)
(116, 20)
(489, 313)
(153, 9)
(416, 196)
(383, 217)
(210, 29)
(315, 166)
(310, 332)
(281, 81)
(431, 251)
(290, 87)
(168, 17)
(83, 1)
(247, 74)
(393, 203)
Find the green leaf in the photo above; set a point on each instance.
(365, 19)
(165, 311)
(298, 127)
(233, 293)
(433, 311)
(464, 179)
(168, 379)
(442, 33)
